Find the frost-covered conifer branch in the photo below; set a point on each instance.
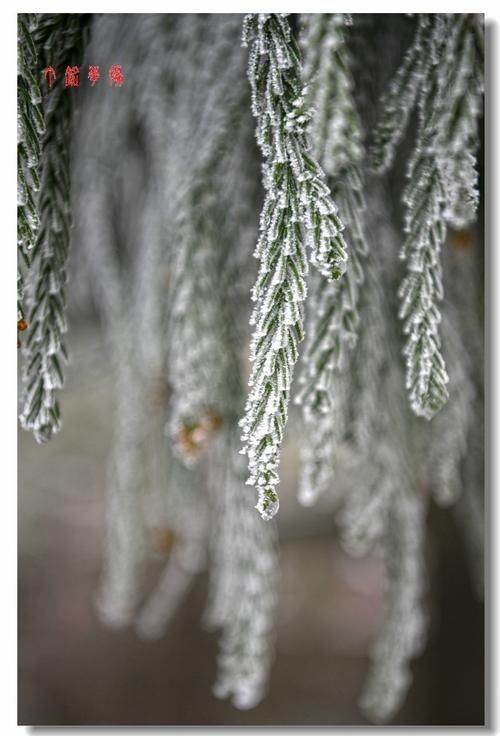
(297, 202)
(335, 128)
(333, 317)
(30, 129)
(425, 199)
(318, 451)
(333, 314)
(464, 88)
(447, 83)
(399, 100)
(243, 587)
(44, 353)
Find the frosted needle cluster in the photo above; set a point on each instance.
(298, 210)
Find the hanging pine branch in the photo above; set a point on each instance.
(336, 136)
(397, 103)
(465, 88)
(243, 584)
(297, 210)
(44, 352)
(443, 72)
(333, 318)
(30, 129)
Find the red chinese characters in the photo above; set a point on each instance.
(94, 75)
(50, 76)
(72, 76)
(115, 75)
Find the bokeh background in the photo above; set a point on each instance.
(72, 670)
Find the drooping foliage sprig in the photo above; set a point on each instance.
(58, 38)
(30, 129)
(297, 210)
(333, 317)
(442, 72)
(243, 577)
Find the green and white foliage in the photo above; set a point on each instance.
(243, 584)
(58, 37)
(447, 86)
(30, 129)
(297, 210)
(333, 317)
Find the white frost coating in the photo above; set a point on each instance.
(333, 317)
(443, 73)
(397, 103)
(335, 128)
(30, 129)
(297, 210)
(242, 582)
(464, 88)
(422, 289)
(44, 352)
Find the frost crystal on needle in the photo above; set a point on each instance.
(298, 209)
